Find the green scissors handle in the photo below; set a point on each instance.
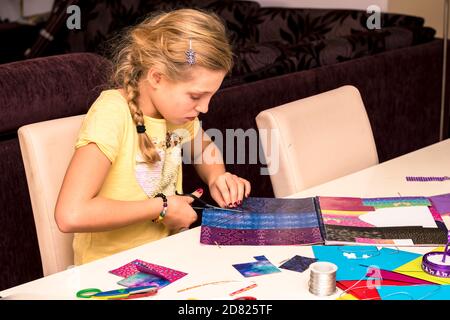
(87, 293)
(94, 293)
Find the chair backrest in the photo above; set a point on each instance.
(47, 148)
(319, 138)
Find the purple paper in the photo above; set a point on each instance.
(261, 237)
(298, 263)
(441, 203)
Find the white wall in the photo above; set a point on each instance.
(341, 4)
(431, 10)
(10, 9)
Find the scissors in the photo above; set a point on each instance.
(205, 204)
(122, 294)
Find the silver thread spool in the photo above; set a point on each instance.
(322, 281)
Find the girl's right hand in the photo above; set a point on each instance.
(180, 214)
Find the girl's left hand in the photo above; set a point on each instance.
(228, 190)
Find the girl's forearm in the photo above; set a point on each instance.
(209, 172)
(102, 214)
(211, 164)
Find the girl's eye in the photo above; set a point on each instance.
(195, 98)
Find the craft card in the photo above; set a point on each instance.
(376, 273)
(354, 261)
(264, 221)
(393, 221)
(143, 279)
(260, 267)
(344, 204)
(390, 259)
(298, 263)
(441, 203)
(400, 217)
(154, 275)
(416, 292)
(365, 289)
(347, 259)
(395, 202)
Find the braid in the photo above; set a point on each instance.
(130, 82)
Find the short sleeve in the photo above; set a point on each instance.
(188, 131)
(104, 125)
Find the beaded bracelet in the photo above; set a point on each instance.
(163, 213)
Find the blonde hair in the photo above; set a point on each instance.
(161, 42)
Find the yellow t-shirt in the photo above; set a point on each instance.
(109, 125)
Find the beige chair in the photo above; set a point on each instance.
(319, 138)
(47, 148)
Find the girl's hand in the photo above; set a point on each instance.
(228, 190)
(180, 214)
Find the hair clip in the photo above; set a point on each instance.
(140, 128)
(190, 54)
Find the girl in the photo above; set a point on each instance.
(120, 188)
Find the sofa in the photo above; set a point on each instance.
(267, 41)
(401, 89)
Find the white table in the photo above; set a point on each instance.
(388, 178)
(205, 263)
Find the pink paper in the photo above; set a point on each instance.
(344, 220)
(374, 241)
(436, 215)
(343, 203)
(130, 269)
(391, 275)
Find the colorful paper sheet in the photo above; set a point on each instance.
(259, 267)
(416, 292)
(158, 275)
(353, 261)
(396, 202)
(298, 263)
(441, 203)
(375, 273)
(413, 268)
(393, 221)
(399, 221)
(141, 279)
(390, 259)
(343, 203)
(264, 221)
(347, 258)
(366, 289)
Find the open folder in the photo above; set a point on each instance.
(390, 221)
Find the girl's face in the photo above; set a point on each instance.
(181, 101)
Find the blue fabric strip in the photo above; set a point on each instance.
(231, 220)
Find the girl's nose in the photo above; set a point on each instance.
(203, 108)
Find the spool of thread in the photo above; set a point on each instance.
(322, 281)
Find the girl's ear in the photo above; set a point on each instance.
(154, 77)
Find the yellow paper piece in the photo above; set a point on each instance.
(414, 269)
(344, 213)
(347, 296)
